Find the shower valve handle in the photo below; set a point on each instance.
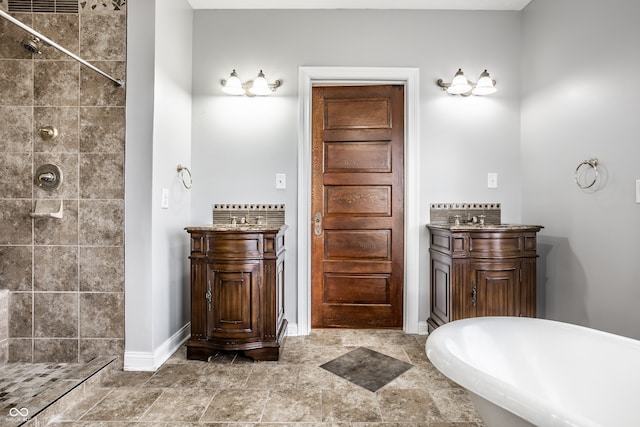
(47, 177)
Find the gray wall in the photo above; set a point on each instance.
(158, 139)
(580, 100)
(239, 144)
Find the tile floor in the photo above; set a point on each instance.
(231, 390)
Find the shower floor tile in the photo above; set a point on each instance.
(26, 389)
(21, 382)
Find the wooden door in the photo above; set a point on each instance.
(357, 219)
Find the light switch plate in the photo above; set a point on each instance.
(164, 200)
(281, 181)
(492, 180)
(637, 190)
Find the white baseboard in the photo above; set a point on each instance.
(292, 330)
(423, 328)
(150, 362)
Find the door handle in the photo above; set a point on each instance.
(207, 295)
(317, 224)
(474, 294)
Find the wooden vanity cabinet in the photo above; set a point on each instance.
(237, 293)
(482, 272)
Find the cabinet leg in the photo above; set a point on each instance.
(263, 354)
(195, 353)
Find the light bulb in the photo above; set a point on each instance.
(233, 85)
(260, 85)
(485, 85)
(460, 84)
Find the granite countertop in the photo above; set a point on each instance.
(485, 227)
(239, 228)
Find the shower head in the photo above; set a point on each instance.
(32, 44)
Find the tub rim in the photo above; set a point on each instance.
(517, 400)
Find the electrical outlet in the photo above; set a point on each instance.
(164, 200)
(492, 180)
(281, 181)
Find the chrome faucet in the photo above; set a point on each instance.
(471, 219)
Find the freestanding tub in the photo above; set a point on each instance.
(523, 372)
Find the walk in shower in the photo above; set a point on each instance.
(63, 275)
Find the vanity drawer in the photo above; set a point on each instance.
(492, 245)
(232, 245)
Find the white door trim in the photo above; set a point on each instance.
(307, 77)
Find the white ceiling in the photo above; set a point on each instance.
(362, 4)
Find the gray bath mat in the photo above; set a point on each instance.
(367, 368)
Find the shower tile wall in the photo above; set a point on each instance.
(65, 276)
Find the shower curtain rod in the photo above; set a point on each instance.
(50, 42)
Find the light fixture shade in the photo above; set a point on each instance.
(260, 86)
(233, 85)
(459, 84)
(485, 85)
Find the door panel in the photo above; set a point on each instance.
(370, 156)
(358, 200)
(357, 244)
(356, 113)
(350, 289)
(358, 204)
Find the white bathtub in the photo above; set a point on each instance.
(522, 372)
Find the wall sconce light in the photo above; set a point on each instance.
(461, 86)
(256, 87)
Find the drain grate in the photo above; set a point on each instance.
(43, 6)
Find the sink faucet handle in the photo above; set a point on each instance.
(234, 220)
(259, 219)
(457, 219)
(481, 219)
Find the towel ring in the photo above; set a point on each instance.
(593, 164)
(181, 169)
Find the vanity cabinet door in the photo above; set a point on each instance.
(232, 301)
(494, 289)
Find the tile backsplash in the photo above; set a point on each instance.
(267, 214)
(444, 213)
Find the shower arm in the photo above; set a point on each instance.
(57, 46)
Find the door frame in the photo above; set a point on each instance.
(409, 77)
